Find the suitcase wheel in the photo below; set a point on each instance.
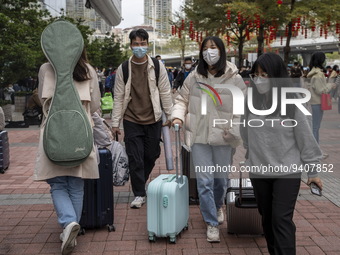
(81, 231)
(111, 228)
(173, 239)
(152, 238)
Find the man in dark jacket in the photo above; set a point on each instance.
(187, 68)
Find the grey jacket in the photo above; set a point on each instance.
(291, 149)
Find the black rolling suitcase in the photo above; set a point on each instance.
(4, 151)
(188, 171)
(243, 217)
(98, 196)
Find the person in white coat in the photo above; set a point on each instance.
(211, 144)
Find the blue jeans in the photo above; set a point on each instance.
(317, 115)
(211, 186)
(67, 194)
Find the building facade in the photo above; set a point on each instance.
(76, 9)
(158, 13)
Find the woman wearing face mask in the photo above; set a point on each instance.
(284, 147)
(210, 144)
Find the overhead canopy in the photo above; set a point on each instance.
(109, 10)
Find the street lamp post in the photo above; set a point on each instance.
(153, 25)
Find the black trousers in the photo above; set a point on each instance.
(276, 199)
(143, 149)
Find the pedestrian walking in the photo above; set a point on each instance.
(67, 183)
(183, 74)
(318, 85)
(276, 145)
(139, 104)
(211, 146)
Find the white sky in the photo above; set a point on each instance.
(133, 11)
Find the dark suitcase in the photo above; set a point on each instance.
(98, 196)
(32, 121)
(189, 171)
(4, 151)
(242, 214)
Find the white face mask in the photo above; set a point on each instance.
(211, 56)
(262, 84)
(187, 66)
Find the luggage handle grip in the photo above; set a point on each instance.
(178, 141)
(242, 163)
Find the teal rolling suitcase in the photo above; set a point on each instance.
(168, 203)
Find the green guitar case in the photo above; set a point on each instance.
(67, 138)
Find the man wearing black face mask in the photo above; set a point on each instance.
(137, 101)
(187, 68)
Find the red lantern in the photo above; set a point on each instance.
(298, 23)
(228, 15)
(247, 34)
(191, 25)
(239, 18)
(279, 3)
(173, 30)
(281, 40)
(313, 25)
(321, 31)
(182, 24)
(179, 34)
(305, 32)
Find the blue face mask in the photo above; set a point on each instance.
(139, 52)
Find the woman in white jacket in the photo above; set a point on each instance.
(210, 143)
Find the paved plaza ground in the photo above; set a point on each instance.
(28, 223)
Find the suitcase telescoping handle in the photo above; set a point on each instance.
(242, 163)
(244, 199)
(179, 178)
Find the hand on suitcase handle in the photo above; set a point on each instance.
(115, 131)
(177, 122)
(167, 124)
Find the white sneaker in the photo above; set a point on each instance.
(213, 234)
(220, 216)
(138, 202)
(61, 237)
(69, 236)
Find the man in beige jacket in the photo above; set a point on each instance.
(138, 104)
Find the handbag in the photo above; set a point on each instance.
(107, 102)
(326, 102)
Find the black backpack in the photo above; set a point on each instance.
(125, 67)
